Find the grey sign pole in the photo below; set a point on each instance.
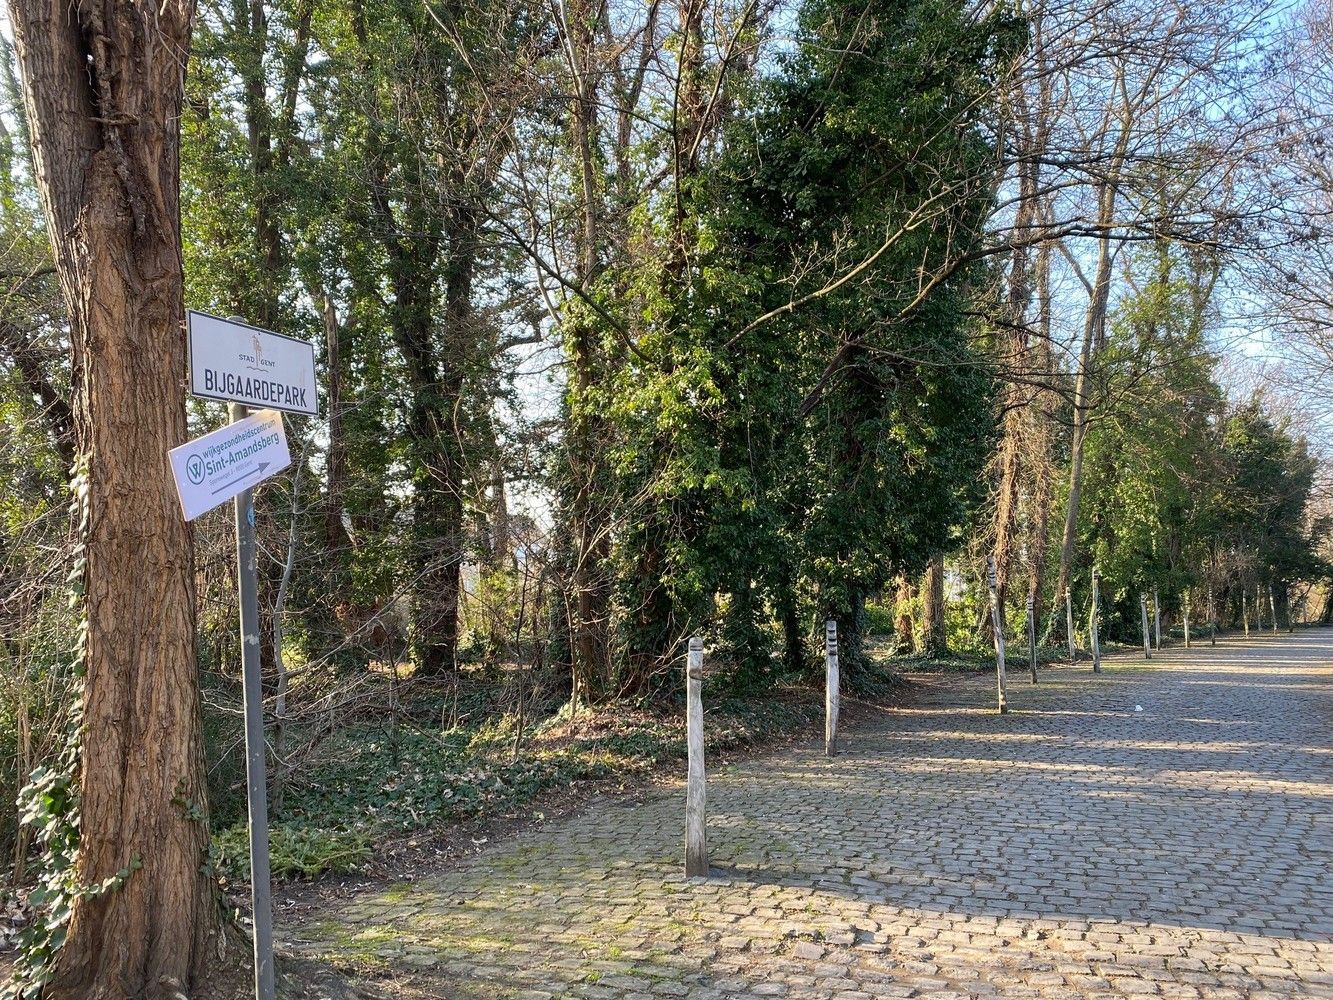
(256, 764)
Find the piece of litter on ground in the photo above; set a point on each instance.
(1138, 708)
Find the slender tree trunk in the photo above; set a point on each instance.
(336, 534)
(1094, 332)
(1043, 466)
(1099, 290)
(793, 641)
(104, 85)
(1020, 455)
(1017, 396)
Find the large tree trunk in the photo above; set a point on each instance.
(904, 643)
(934, 636)
(103, 84)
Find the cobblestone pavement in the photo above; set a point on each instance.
(1078, 847)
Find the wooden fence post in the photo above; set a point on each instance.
(1212, 616)
(1032, 636)
(831, 687)
(1258, 610)
(997, 626)
(1187, 619)
(1272, 606)
(1143, 610)
(696, 840)
(1069, 627)
(1094, 635)
(1156, 618)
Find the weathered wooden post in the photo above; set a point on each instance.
(1032, 635)
(1187, 619)
(1258, 610)
(1212, 616)
(1143, 610)
(997, 626)
(1069, 627)
(696, 840)
(1245, 612)
(1094, 636)
(1272, 607)
(1156, 619)
(831, 683)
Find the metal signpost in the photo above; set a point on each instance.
(241, 365)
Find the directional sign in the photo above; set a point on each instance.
(214, 468)
(244, 364)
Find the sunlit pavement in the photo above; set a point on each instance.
(1162, 829)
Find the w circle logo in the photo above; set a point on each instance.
(194, 468)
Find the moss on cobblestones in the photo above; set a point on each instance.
(1177, 852)
(376, 785)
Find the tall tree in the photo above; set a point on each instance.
(103, 85)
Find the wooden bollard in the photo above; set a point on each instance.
(1069, 627)
(997, 626)
(1032, 636)
(1094, 634)
(696, 839)
(1156, 619)
(832, 683)
(1187, 619)
(1143, 609)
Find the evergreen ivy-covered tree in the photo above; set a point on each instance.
(817, 404)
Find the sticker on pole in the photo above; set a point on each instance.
(237, 363)
(214, 468)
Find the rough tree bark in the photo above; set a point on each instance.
(590, 641)
(103, 87)
(904, 641)
(934, 637)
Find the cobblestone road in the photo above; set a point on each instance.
(1075, 848)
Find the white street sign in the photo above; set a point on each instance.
(212, 469)
(244, 364)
